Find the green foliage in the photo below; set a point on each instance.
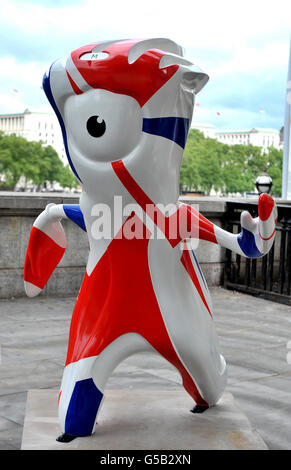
(67, 178)
(274, 165)
(36, 163)
(200, 169)
(209, 164)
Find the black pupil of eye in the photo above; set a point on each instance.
(96, 126)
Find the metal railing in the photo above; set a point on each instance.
(270, 276)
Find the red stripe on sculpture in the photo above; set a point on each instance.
(74, 86)
(187, 263)
(268, 238)
(206, 228)
(150, 208)
(192, 219)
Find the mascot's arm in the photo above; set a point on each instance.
(47, 244)
(257, 235)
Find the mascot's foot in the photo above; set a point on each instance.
(199, 409)
(65, 437)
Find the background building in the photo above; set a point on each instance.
(37, 127)
(256, 136)
(259, 137)
(208, 130)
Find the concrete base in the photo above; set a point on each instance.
(143, 419)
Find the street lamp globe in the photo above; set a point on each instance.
(264, 184)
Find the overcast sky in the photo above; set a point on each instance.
(243, 46)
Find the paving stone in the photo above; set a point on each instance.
(12, 407)
(22, 377)
(11, 439)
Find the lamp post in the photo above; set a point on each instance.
(264, 183)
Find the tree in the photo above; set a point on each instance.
(273, 166)
(240, 168)
(200, 167)
(33, 161)
(209, 164)
(67, 178)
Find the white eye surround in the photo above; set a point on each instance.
(101, 125)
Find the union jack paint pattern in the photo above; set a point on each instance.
(125, 108)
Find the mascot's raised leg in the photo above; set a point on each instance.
(79, 400)
(84, 382)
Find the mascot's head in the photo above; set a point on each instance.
(106, 95)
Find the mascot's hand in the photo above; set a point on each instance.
(258, 234)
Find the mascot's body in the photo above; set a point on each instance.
(125, 108)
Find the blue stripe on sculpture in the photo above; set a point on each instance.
(74, 213)
(172, 128)
(247, 243)
(83, 408)
(201, 274)
(47, 89)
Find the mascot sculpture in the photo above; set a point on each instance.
(124, 108)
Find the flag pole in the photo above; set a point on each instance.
(286, 176)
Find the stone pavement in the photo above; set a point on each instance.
(253, 337)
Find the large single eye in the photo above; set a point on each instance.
(96, 126)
